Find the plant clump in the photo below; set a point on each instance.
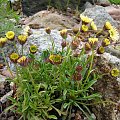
(51, 85)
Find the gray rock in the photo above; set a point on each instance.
(100, 16)
(44, 41)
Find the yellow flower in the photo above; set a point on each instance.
(48, 30)
(114, 35)
(2, 42)
(105, 42)
(87, 46)
(101, 50)
(115, 72)
(22, 39)
(10, 35)
(23, 61)
(84, 28)
(33, 49)
(108, 26)
(85, 19)
(93, 40)
(14, 57)
(63, 33)
(93, 26)
(55, 59)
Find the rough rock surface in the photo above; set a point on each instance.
(53, 20)
(100, 15)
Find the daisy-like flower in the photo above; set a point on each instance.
(10, 35)
(107, 25)
(2, 42)
(84, 28)
(14, 57)
(23, 61)
(93, 26)
(63, 33)
(48, 30)
(115, 72)
(114, 35)
(101, 50)
(85, 19)
(105, 42)
(92, 41)
(55, 59)
(22, 39)
(33, 49)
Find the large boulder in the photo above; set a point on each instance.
(100, 15)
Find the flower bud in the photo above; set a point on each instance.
(63, 33)
(48, 30)
(105, 42)
(2, 42)
(87, 46)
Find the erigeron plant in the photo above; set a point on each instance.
(51, 86)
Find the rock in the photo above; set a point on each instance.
(53, 20)
(2, 80)
(44, 41)
(31, 7)
(100, 15)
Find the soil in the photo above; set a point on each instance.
(5, 90)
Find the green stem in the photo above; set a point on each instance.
(91, 64)
(32, 80)
(7, 63)
(15, 46)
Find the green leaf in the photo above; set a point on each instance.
(58, 111)
(52, 117)
(64, 94)
(89, 84)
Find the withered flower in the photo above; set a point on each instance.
(55, 59)
(75, 29)
(22, 39)
(74, 44)
(14, 57)
(77, 76)
(2, 42)
(48, 30)
(10, 35)
(78, 68)
(101, 50)
(33, 49)
(64, 44)
(63, 33)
